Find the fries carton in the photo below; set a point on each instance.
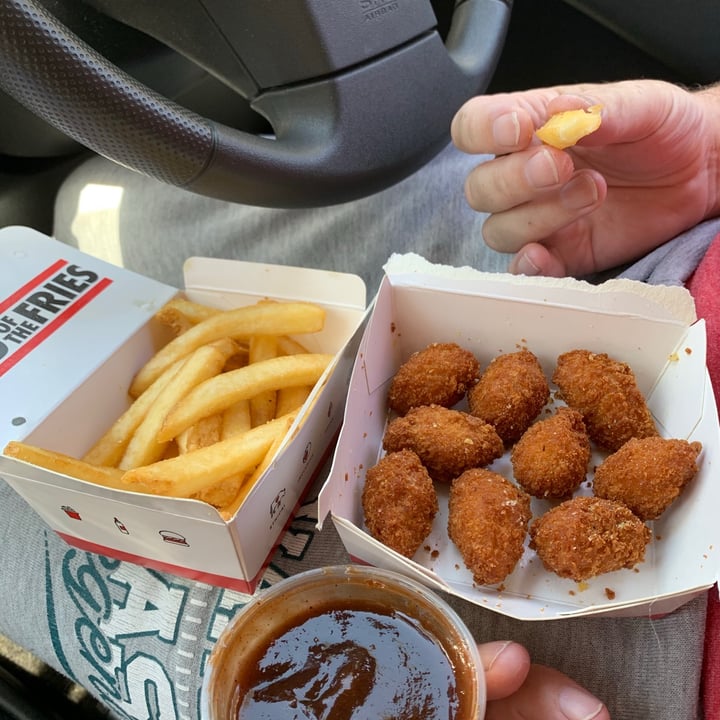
(74, 331)
(652, 329)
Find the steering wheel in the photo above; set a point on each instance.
(358, 93)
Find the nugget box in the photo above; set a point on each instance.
(653, 329)
(74, 331)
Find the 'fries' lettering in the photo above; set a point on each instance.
(55, 294)
(33, 313)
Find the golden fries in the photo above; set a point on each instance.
(291, 398)
(228, 509)
(185, 475)
(564, 129)
(262, 405)
(210, 410)
(110, 448)
(244, 322)
(66, 465)
(222, 391)
(180, 314)
(205, 362)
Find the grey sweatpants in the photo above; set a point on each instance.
(138, 639)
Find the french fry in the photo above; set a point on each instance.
(205, 432)
(180, 314)
(66, 465)
(564, 129)
(110, 448)
(205, 362)
(191, 430)
(244, 322)
(236, 419)
(222, 492)
(229, 509)
(290, 346)
(186, 475)
(238, 360)
(222, 391)
(291, 399)
(262, 405)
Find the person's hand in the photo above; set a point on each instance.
(648, 173)
(519, 690)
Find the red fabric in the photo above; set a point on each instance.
(704, 286)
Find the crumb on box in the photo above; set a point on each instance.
(609, 593)
(688, 351)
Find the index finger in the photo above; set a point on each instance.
(499, 124)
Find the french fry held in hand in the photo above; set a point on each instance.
(564, 129)
(189, 432)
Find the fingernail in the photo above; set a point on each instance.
(579, 192)
(506, 130)
(578, 705)
(541, 170)
(525, 266)
(500, 651)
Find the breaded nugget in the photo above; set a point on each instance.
(604, 390)
(488, 521)
(647, 474)
(510, 394)
(447, 441)
(399, 502)
(587, 536)
(438, 375)
(551, 458)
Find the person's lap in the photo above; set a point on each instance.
(641, 667)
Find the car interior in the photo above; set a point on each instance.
(284, 96)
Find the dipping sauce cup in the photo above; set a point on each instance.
(345, 643)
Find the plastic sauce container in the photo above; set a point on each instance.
(345, 643)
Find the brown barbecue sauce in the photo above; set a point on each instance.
(351, 663)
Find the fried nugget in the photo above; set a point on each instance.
(438, 375)
(605, 391)
(647, 474)
(488, 521)
(447, 441)
(510, 394)
(588, 536)
(399, 502)
(551, 458)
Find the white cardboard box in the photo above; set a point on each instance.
(73, 332)
(652, 329)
